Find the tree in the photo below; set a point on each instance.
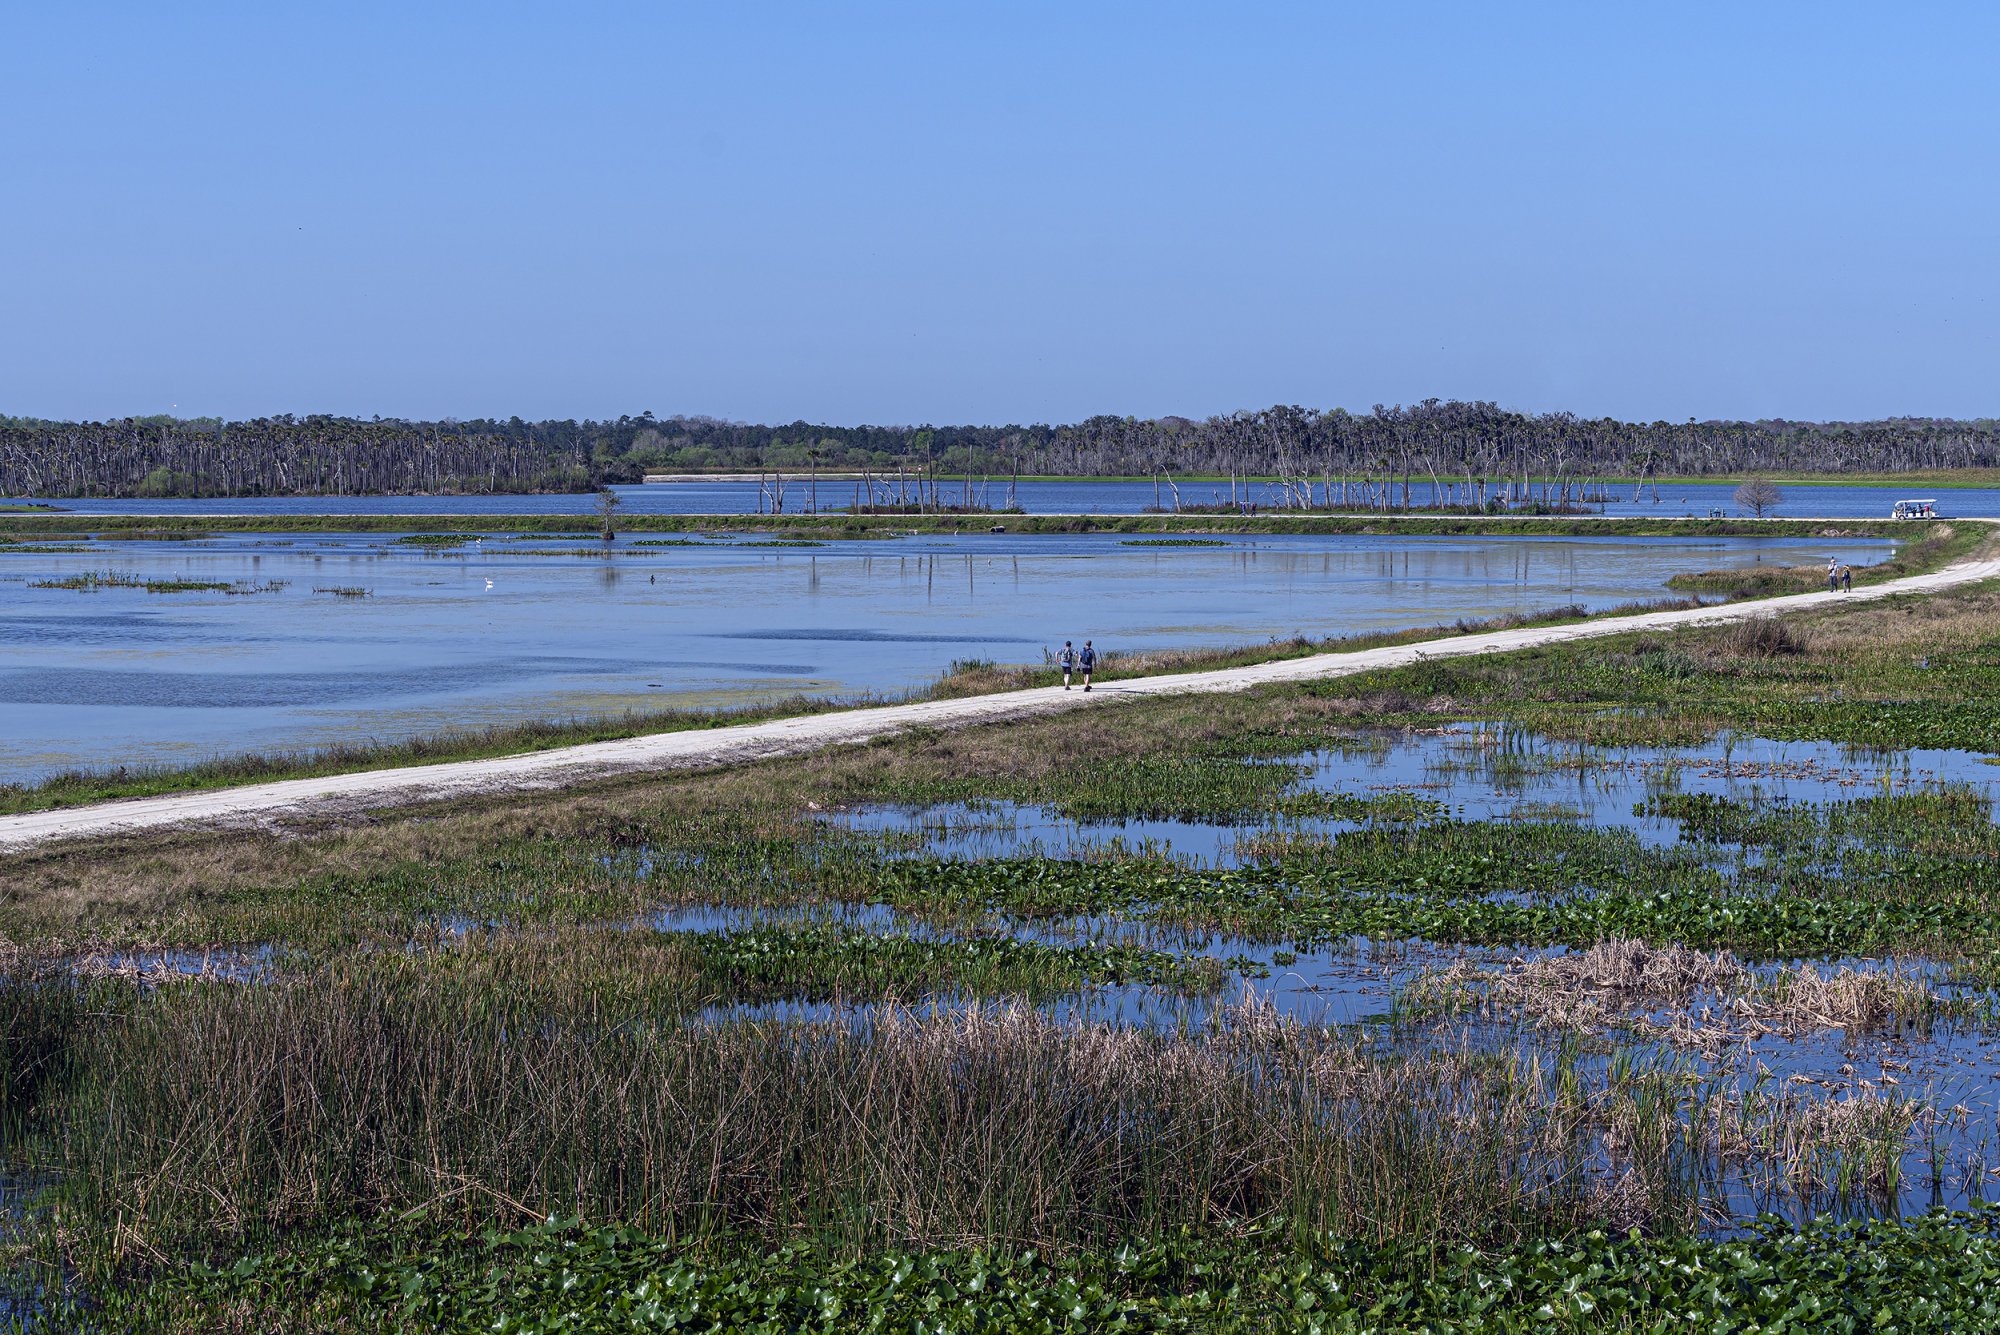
(1759, 494)
(607, 513)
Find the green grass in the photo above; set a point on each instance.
(374, 1137)
(77, 787)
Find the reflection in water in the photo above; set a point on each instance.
(1081, 496)
(503, 629)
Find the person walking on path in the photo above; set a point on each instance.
(1067, 660)
(1846, 578)
(1832, 575)
(1087, 660)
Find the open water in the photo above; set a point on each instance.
(514, 627)
(1078, 496)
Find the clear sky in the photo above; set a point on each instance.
(998, 212)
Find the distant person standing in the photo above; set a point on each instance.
(1087, 660)
(1846, 578)
(1832, 575)
(1067, 659)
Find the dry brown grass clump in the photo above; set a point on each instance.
(1632, 970)
(1849, 998)
(1584, 989)
(1614, 982)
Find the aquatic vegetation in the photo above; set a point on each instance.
(815, 963)
(1486, 890)
(366, 1088)
(343, 590)
(599, 551)
(1900, 1278)
(1624, 1000)
(192, 586)
(91, 580)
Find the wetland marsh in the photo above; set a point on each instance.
(140, 648)
(1640, 980)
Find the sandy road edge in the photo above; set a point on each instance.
(331, 795)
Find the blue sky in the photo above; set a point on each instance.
(1007, 212)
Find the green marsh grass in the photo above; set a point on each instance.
(192, 1114)
(91, 580)
(436, 539)
(465, 1032)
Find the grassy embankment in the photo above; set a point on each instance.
(469, 1017)
(1927, 547)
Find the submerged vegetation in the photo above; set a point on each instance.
(90, 581)
(1279, 1032)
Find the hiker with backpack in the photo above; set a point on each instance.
(1067, 661)
(1086, 661)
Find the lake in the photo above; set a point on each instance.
(328, 638)
(1078, 496)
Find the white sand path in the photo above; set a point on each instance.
(335, 794)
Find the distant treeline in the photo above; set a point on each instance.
(1432, 441)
